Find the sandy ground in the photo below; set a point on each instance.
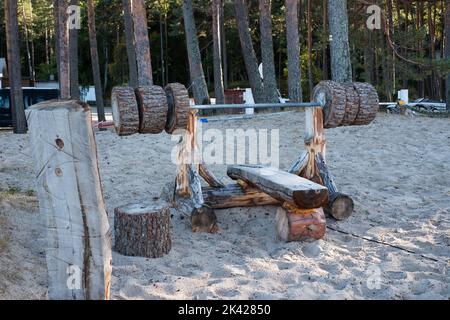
(397, 170)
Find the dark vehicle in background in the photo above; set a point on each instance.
(30, 96)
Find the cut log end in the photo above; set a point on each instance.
(179, 107)
(295, 224)
(143, 230)
(204, 220)
(340, 206)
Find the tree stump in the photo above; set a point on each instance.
(143, 230)
(294, 224)
(152, 103)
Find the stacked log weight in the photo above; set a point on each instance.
(179, 107)
(332, 96)
(152, 104)
(125, 111)
(294, 224)
(368, 103)
(351, 105)
(143, 230)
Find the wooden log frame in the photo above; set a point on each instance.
(71, 201)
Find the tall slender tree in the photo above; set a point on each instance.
(310, 45)
(268, 60)
(142, 43)
(63, 49)
(447, 51)
(248, 52)
(129, 36)
(217, 51)
(73, 51)
(14, 70)
(293, 51)
(198, 82)
(95, 61)
(341, 68)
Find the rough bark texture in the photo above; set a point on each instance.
(131, 51)
(217, 51)
(447, 51)
(333, 97)
(293, 51)
(143, 230)
(179, 107)
(152, 103)
(63, 50)
(351, 105)
(78, 251)
(368, 103)
(73, 51)
(295, 224)
(268, 60)
(142, 44)
(125, 111)
(95, 62)
(248, 52)
(199, 86)
(281, 185)
(14, 70)
(341, 69)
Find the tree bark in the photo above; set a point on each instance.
(341, 69)
(325, 72)
(142, 44)
(310, 45)
(447, 51)
(131, 50)
(201, 95)
(268, 60)
(95, 62)
(217, 51)
(143, 230)
(14, 70)
(70, 195)
(63, 50)
(248, 52)
(224, 46)
(73, 43)
(293, 51)
(27, 42)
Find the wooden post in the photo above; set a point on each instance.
(70, 198)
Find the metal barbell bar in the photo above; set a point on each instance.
(257, 106)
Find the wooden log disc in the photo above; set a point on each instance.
(143, 230)
(368, 103)
(125, 111)
(295, 224)
(152, 104)
(340, 206)
(332, 96)
(179, 106)
(351, 105)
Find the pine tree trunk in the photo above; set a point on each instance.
(447, 51)
(325, 71)
(142, 44)
(248, 52)
(14, 70)
(310, 44)
(224, 47)
(217, 51)
(73, 43)
(62, 39)
(268, 60)
(27, 41)
(201, 95)
(341, 69)
(95, 62)
(131, 51)
(293, 51)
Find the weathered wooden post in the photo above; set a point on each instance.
(78, 250)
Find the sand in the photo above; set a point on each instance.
(396, 245)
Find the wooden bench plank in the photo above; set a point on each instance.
(282, 185)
